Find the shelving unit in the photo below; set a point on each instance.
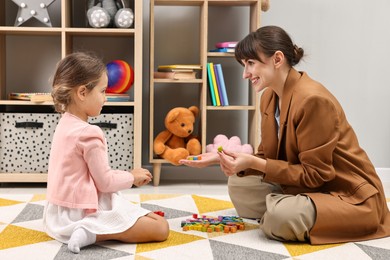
(247, 107)
(68, 34)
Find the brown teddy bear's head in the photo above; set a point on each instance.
(180, 120)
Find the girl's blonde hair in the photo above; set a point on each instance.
(76, 69)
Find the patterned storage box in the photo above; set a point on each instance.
(25, 140)
(118, 130)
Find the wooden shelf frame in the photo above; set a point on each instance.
(204, 56)
(66, 32)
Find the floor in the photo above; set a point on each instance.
(214, 247)
(165, 187)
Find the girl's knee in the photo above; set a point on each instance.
(161, 232)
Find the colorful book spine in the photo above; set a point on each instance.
(226, 44)
(230, 50)
(217, 79)
(211, 87)
(217, 99)
(223, 86)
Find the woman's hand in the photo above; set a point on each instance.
(232, 163)
(141, 176)
(202, 160)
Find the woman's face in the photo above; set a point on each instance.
(260, 73)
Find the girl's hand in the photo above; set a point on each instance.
(201, 160)
(141, 176)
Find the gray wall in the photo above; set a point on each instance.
(347, 49)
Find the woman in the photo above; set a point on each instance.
(309, 180)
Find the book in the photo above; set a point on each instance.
(111, 97)
(211, 87)
(223, 86)
(215, 87)
(174, 70)
(177, 67)
(218, 85)
(33, 97)
(226, 44)
(229, 50)
(174, 75)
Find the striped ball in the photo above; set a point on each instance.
(120, 76)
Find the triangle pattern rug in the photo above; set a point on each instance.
(22, 235)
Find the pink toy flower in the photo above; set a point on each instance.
(233, 144)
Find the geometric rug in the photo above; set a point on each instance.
(22, 235)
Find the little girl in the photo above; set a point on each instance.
(84, 203)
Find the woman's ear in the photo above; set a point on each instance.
(278, 58)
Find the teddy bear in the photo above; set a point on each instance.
(109, 13)
(232, 144)
(177, 141)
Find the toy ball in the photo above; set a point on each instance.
(120, 76)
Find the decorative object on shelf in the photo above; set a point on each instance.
(177, 141)
(33, 9)
(232, 144)
(120, 76)
(109, 13)
(265, 5)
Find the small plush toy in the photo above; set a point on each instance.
(109, 13)
(177, 141)
(265, 5)
(221, 142)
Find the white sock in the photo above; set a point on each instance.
(80, 238)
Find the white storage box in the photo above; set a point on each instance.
(25, 141)
(118, 130)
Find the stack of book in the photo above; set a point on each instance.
(33, 97)
(217, 85)
(224, 47)
(112, 97)
(177, 71)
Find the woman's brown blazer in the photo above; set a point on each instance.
(317, 153)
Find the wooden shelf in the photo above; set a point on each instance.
(23, 177)
(66, 37)
(251, 104)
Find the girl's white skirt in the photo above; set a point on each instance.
(114, 215)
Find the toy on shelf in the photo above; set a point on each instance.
(232, 144)
(33, 9)
(120, 76)
(109, 13)
(226, 224)
(177, 141)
